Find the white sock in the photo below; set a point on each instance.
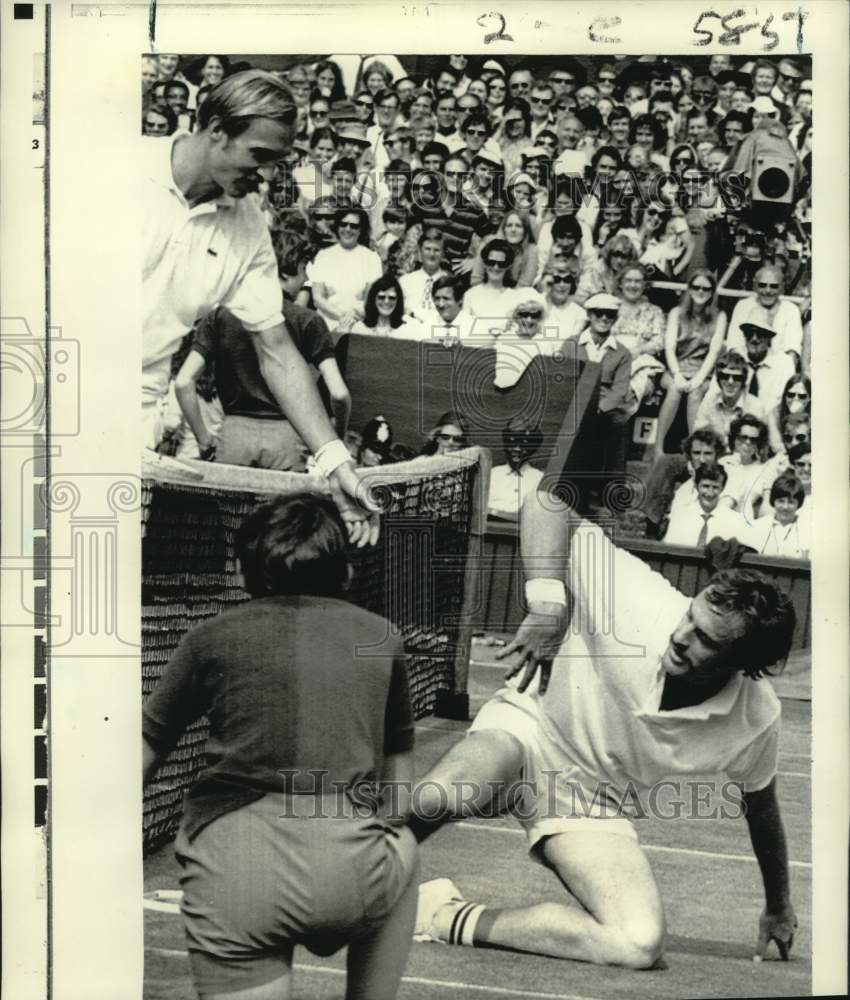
(463, 923)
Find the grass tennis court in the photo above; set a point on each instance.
(708, 877)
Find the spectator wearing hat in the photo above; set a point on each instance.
(764, 112)
(768, 309)
(597, 344)
(417, 286)
(769, 370)
(377, 441)
(490, 301)
(727, 398)
(512, 482)
(787, 84)
(696, 524)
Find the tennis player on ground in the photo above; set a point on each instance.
(646, 686)
(307, 701)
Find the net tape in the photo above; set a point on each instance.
(414, 577)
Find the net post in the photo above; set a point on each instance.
(454, 703)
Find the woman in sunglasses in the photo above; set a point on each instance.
(342, 274)
(493, 298)
(603, 274)
(497, 90)
(450, 434)
(515, 230)
(681, 158)
(695, 331)
(383, 315)
(796, 398)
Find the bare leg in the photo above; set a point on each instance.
(695, 397)
(667, 413)
(376, 963)
(622, 920)
(465, 780)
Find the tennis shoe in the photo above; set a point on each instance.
(438, 900)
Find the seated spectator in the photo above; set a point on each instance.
(491, 301)
(377, 441)
(564, 241)
(314, 177)
(730, 399)
(786, 530)
(454, 325)
(767, 309)
(796, 459)
(418, 285)
(384, 312)
(487, 188)
(254, 431)
(611, 219)
(671, 481)
(394, 226)
(695, 329)
(517, 232)
(640, 329)
(770, 371)
(602, 274)
(320, 223)
(564, 317)
(527, 336)
(401, 452)
(341, 275)
(450, 434)
(697, 523)
(746, 465)
(511, 483)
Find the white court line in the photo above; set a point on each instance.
(647, 847)
(502, 991)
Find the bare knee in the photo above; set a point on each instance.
(639, 944)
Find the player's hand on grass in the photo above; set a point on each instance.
(359, 511)
(778, 927)
(537, 641)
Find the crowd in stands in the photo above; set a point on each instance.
(651, 215)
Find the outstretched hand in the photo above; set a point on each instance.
(358, 510)
(537, 641)
(778, 927)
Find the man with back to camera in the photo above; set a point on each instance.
(672, 688)
(206, 244)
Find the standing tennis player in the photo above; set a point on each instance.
(206, 244)
(308, 706)
(647, 689)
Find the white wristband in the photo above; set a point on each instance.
(331, 456)
(545, 591)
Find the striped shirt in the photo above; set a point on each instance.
(458, 228)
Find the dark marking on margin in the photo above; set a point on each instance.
(494, 36)
(800, 15)
(152, 24)
(604, 23)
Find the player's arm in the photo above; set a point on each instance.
(339, 395)
(289, 380)
(778, 922)
(547, 526)
(151, 760)
(186, 391)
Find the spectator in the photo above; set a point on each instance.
(459, 219)
(418, 286)
(384, 312)
(314, 177)
(770, 370)
(695, 329)
(729, 398)
(603, 272)
(745, 465)
(671, 481)
(640, 329)
(786, 530)
(796, 430)
(450, 434)
(329, 82)
(493, 299)
(527, 336)
(796, 398)
(619, 128)
(767, 309)
(516, 231)
(564, 316)
(159, 120)
(476, 133)
(212, 70)
(487, 186)
(497, 89)
(511, 483)
(696, 524)
(149, 77)
(514, 136)
(681, 158)
(341, 275)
